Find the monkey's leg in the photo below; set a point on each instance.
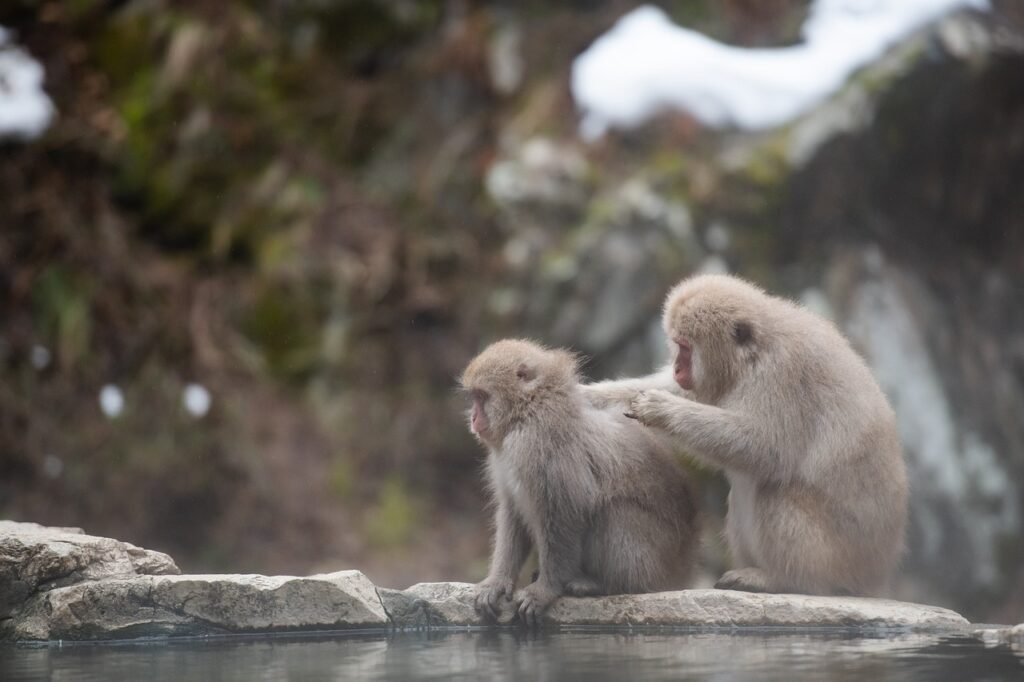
(511, 547)
(627, 550)
(801, 549)
(560, 551)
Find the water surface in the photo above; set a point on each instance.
(513, 655)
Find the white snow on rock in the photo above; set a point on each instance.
(196, 400)
(111, 401)
(25, 109)
(646, 64)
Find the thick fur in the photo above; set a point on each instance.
(608, 510)
(782, 403)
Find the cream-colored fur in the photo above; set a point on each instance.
(782, 403)
(607, 509)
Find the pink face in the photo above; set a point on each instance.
(683, 368)
(478, 421)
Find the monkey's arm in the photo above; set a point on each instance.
(511, 547)
(724, 438)
(618, 392)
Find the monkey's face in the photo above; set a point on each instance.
(479, 422)
(682, 362)
(509, 381)
(710, 330)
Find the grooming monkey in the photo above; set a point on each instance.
(775, 396)
(608, 510)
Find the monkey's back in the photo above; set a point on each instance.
(837, 434)
(648, 493)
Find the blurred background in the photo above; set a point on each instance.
(247, 246)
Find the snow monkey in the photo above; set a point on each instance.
(775, 396)
(608, 510)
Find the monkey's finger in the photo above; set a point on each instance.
(485, 606)
(529, 613)
(533, 615)
(630, 415)
(492, 605)
(523, 611)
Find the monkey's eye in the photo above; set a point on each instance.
(479, 395)
(743, 333)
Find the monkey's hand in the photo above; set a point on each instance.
(489, 596)
(651, 408)
(532, 601)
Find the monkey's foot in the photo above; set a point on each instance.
(582, 586)
(744, 580)
(488, 598)
(532, 601)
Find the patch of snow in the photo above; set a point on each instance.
(111, 401)
(53, 466)
(646, 64)
(40, 356)
(196, 400)
(25, 109)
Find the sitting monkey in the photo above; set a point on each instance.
(608, 510)
(775, 396)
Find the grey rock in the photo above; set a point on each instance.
(452, 604)
(200, 604)
(436, 604)
(34, 558)
(1001, 635)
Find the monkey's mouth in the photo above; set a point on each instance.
(478, 421)
(684, 364)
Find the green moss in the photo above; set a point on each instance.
(78, 9)
(123, 47)
(768, 166)
(691, 13)
(341, 478)
(284, 324)
(393, 519)
(63, 308)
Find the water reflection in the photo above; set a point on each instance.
(513, 655)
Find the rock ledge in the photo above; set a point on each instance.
(446, 604)
(58, 583)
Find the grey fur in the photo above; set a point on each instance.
(783, 404)
(607, 508)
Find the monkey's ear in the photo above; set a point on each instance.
(525, 372)
(743, 332)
